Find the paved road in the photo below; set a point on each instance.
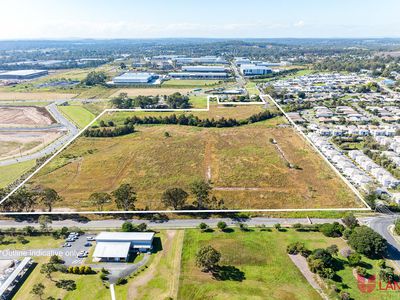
(69, 127)
(380, 224)
(168, 224)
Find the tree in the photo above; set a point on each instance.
(122, 66)
(354, 259)
(94, 78)
(44, 222)
(207, 258)
(368, 242)
(127, 227)
(221, 225)
(203, 226)
(350, 221)
(48, 269)
(397, 226)
(48, 197)
(99, 199)
(125, 197)
(22, 200)
(331, 229)
(277, 226)
(201, 190)
(38, 290)
(333, 249)
(175, 197)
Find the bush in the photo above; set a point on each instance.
(354, 259)
(362, 272)
(397, 226)
(344, 295)
(56, 260)
(346, 233)
(243, 227)
(103, 276)
(296, 248)
(122, 281)
(350, 221)
(331, 229)
(222, 225)
(387, 275)
(277, 226)
(297, 226)
(203, 226)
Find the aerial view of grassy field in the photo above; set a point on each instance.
(8, 174)
(261, 256)
(246, 169)
(77, 114)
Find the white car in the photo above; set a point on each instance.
(66, 245)
(90, 238)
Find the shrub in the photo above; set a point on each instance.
(222, 225)
(354, 259)
(277, 226)
(203, 226)
(122, 281)
(397, 226)
(243, 227)
(346, 233)
(297, 226)
(331, 229)
(387, 275)
(344, 295)
(103, 276)
(350, 221)
(362, 272)
(296, 248)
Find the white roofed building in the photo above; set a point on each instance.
(118, 246)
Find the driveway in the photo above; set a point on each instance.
(120, 270)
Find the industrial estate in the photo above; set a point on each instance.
(208, 168)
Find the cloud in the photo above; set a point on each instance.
(299, 24)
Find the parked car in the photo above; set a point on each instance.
(90, 238)
(70, 240)
(66, 245)
(88, 244)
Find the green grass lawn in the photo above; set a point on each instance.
(87, 286)
(198, 101)
(77, 114)
(8, 174)
(269, 272)
(251, 88)
(33, 242)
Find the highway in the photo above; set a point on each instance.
(63, 123)
(167, 224)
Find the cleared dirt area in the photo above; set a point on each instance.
(4, 95)
(244, 166)
(133, 92)
(29, 116)
(19, 143)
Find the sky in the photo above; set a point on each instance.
(105, 19)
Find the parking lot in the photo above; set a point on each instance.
(68, 254)
(71, 253)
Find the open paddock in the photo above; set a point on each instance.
(246, 169)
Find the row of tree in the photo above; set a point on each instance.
(175, 100)
(191, 120)
(109, 131)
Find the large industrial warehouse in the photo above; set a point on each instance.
(23, 74)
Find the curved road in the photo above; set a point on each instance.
(380, 224)
(63, 122)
